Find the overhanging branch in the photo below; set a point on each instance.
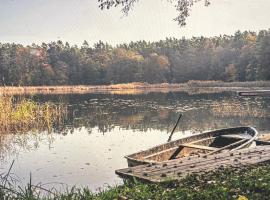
(183, 7)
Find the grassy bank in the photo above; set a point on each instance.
(21, 115)
(134, 88)
(248, 183)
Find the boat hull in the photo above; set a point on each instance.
(211, 141)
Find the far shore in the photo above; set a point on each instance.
(138, 88)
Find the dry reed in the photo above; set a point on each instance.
(24, 115)
(135, 87)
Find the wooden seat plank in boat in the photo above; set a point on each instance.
(199, 147)
(239, 136)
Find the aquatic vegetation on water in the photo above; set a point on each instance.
(248, 183)
(20, 115)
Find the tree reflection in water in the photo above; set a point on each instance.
(142, 112)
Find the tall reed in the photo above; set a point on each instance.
(19, 115)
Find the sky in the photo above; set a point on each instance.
(37, 21)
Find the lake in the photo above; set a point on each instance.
(100, 129)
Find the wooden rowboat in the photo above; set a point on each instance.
(210, 142)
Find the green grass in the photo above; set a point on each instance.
(249, 183)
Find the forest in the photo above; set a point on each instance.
(244, 56)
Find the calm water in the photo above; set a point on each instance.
(101, 129)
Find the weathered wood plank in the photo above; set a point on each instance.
(236, 162)
(177, 169)
(188, 165)
(265, 136)
(254, 93)
(193, 159)
(199, 147)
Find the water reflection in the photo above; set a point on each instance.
(12, 144)
(101, 128)
(160, 111)
(81, 158)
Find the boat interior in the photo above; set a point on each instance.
(206, 146)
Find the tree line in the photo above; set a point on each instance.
(244, 56)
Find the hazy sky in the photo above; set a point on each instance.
(28, 21)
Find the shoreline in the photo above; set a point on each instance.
(223, 183)
(138, 88)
